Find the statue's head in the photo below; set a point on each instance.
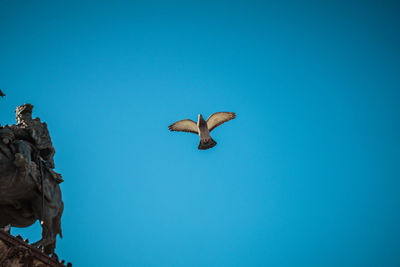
(23, 113)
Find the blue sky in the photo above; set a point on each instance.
(306, 175)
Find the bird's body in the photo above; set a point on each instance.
(206, 141)
(202, 127)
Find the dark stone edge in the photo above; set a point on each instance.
(13, 241)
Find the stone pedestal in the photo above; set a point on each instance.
(14, 252)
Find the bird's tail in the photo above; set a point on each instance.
(203, 145)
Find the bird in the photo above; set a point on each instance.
(2, 94)
(202, 127)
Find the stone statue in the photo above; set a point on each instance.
(29, 187)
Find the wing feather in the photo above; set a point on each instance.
(219, 118)
(184, 126)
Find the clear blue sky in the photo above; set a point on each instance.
(307, 175)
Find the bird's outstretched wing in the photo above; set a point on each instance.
(184, 126)
(2, 94)
(219, 118)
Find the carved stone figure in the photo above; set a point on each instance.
(29, 187)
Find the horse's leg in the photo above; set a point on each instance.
(46, 222)
(54, 229)
(51, 226)
(6, 228)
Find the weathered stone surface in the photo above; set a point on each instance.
(29, 187)
(16, 253)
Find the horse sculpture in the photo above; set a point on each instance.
(27, 196)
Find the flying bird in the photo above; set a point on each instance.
(203, 128)
(2, 94)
